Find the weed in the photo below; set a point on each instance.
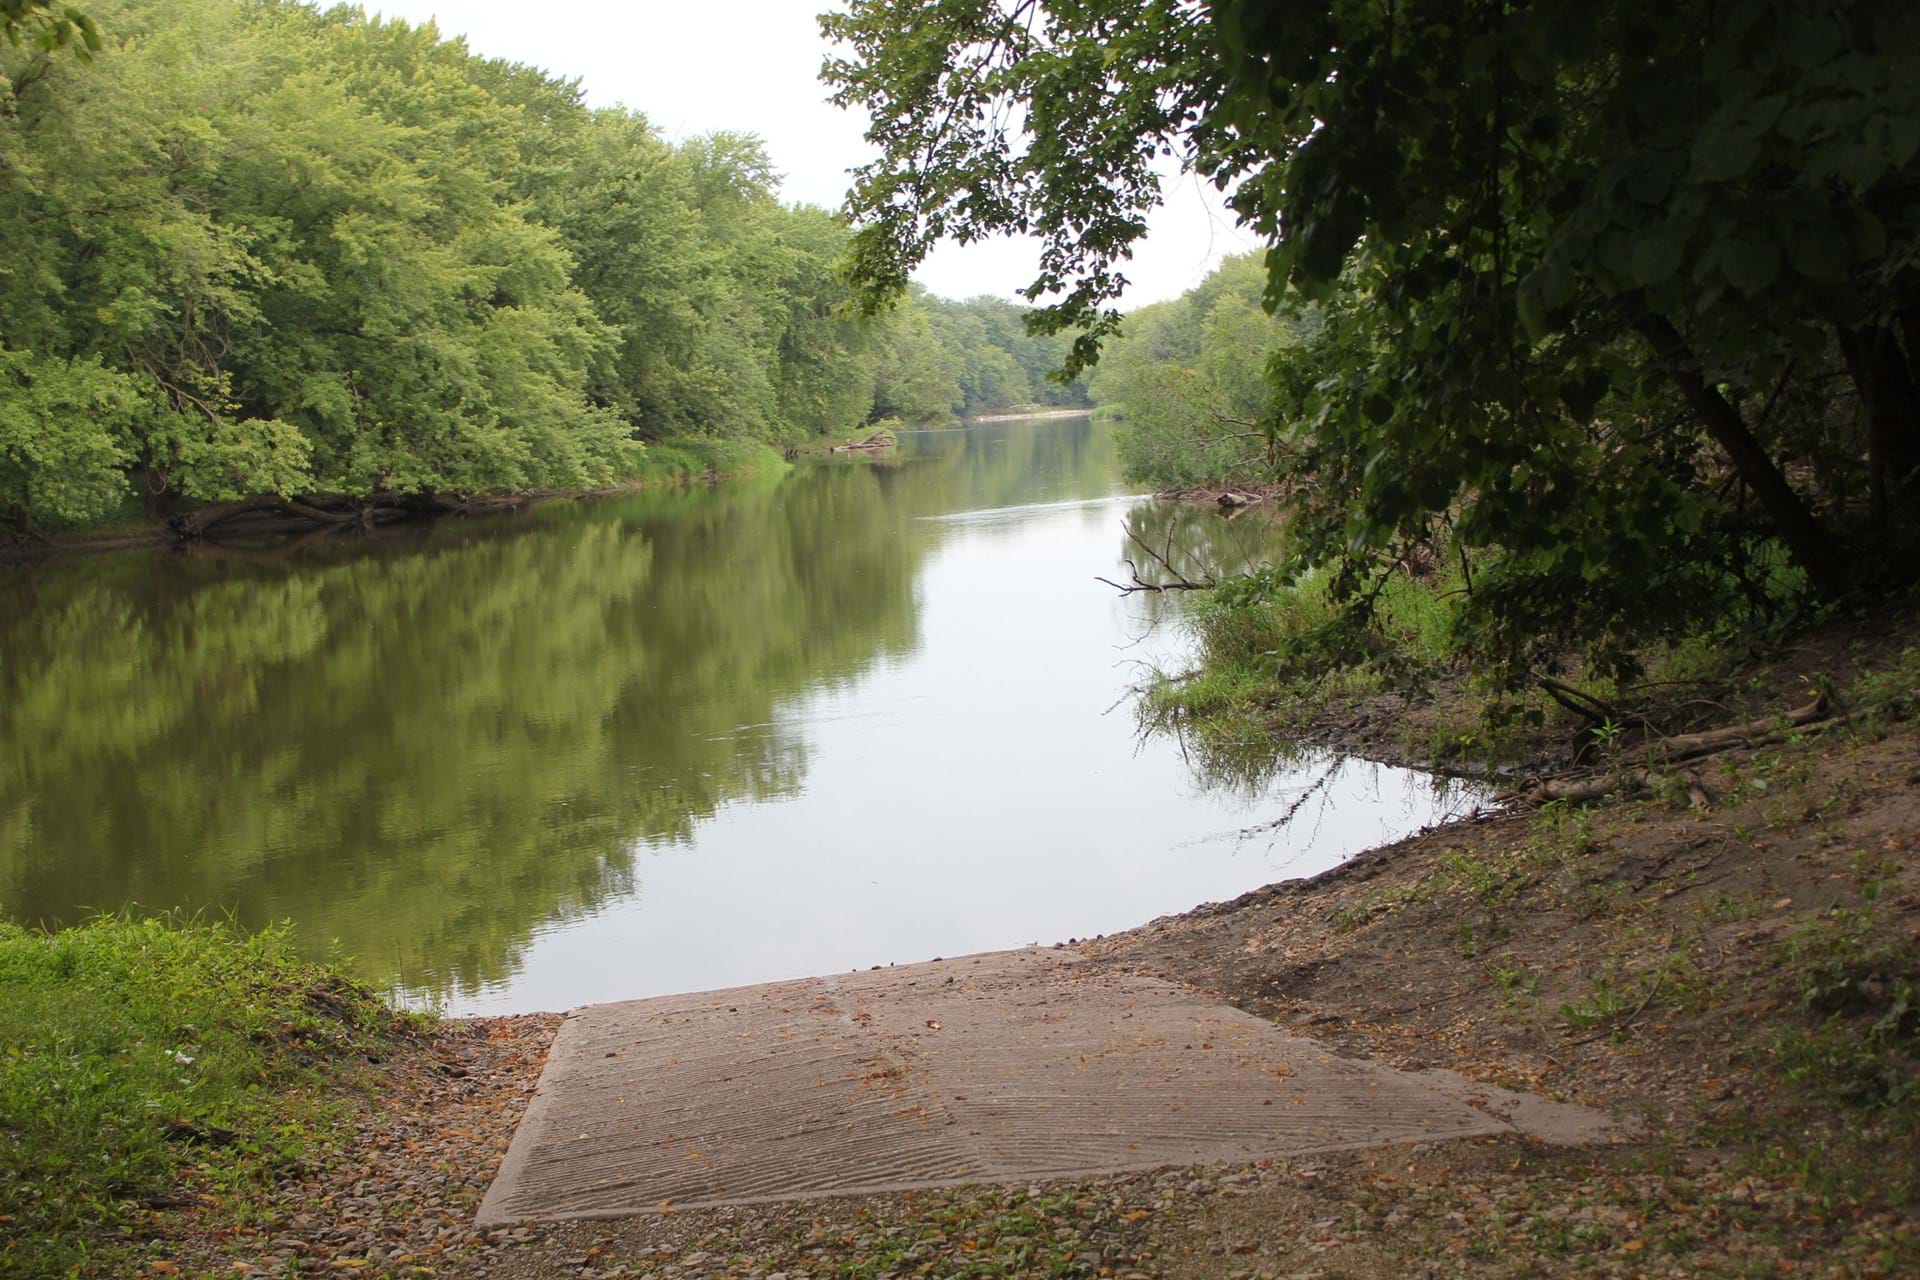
(132, 1048)
(1607, 999)
(996, 1234)
(1893, 694)
(1485, 878)
(1514, 980)
(1871, 870)
(1863, 993)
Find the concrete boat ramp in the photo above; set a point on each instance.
(1009, 1067)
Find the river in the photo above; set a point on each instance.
(873, 710)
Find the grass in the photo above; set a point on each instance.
(138, 1055)
(1276, 662)
(683, 459)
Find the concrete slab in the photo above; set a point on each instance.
(1006, 1067)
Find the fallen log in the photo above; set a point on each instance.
(1689, 746)
(878, 440)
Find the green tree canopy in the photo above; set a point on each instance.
(1615, 294)
(261, 248)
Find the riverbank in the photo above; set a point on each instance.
(679, 461)
(1735, 975)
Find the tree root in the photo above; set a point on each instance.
(325, 509)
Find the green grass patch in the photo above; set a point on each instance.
(682, 459)
(138, 1054)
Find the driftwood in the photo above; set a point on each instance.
(878, 440)
(1676, 750)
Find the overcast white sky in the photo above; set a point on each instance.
(695, 66)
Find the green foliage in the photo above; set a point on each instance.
(1890, 694)
(46, 25)
(133, 1049)
(1618, 301)
(65, 428)
(682, 459)
(1186, 378)
(1003, 363)
(1294, 628)
(324, 252)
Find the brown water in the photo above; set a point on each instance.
(864, 712)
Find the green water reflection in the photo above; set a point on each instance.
(420, 747)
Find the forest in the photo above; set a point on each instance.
(269, 251)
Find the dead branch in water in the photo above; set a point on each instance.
(1175, 581)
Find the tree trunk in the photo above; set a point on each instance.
(1885, 383)
(1910, 331)
(196, 523)
(1812, 549)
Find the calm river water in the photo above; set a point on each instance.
(870, 711)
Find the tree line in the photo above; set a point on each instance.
(262, 248)
(1616, 304)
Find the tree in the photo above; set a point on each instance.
(46, 25)
(1187, 378)
(1589, 264)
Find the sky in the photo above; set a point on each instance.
(750, 66)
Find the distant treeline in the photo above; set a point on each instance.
(255, 247)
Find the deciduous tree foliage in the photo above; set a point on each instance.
(45, 25)
(1187, 379)
(262, 248)
(1616, 295)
